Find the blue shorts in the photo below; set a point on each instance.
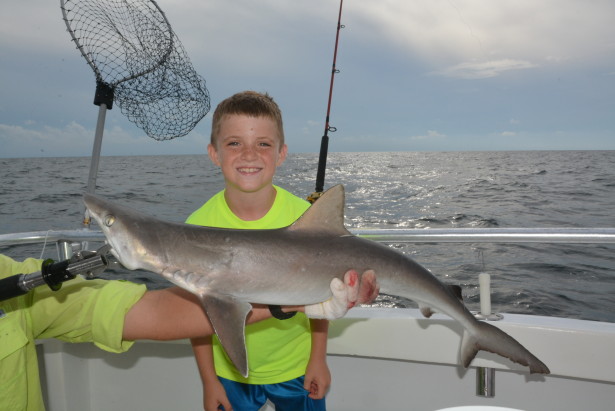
(286, 396)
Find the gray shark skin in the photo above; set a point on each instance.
(229, 269)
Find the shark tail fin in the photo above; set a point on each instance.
(490, 338)
(469, 348)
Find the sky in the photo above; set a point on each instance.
(415, 75)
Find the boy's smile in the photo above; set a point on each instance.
(248, 151)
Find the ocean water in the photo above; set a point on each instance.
(383, 190)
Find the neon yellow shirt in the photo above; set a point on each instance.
(278, 351)
(81, 311)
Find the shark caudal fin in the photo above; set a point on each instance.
(492, 339)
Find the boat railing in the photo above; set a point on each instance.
(69, 240)
(490, 235)
(391, 235)
(51, 236)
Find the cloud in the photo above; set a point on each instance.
(450, 32)
(25, 25)
(72, 139)
(378, 142)
(431, 135)
(77, 140)
(480, 70)
(311, 126)
(21, 141)
(559, 52)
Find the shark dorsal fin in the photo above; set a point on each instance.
(325, 215)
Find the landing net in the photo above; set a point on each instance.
(139, 63)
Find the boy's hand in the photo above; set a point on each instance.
(214, 397)
(317, 379)
(346, 295)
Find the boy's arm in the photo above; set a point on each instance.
(214, 394)
(354, 290)
(317, 375)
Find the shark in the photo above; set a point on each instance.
(229, 269)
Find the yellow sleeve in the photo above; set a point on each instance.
(81, 311)
(85, 311)
(9, 267)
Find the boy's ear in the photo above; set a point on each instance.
(213, 154)
(282, 156)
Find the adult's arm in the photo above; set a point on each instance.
(175, 313)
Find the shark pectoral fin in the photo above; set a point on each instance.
(228, 318)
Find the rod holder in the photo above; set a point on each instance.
(485, 376)
(65, 249)
(485, 382)
(485, 313)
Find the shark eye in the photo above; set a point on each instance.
(109, 220)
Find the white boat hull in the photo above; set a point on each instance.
(379, 358)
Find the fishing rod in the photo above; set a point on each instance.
(53, 274)
(324, 143)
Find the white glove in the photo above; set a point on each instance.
(345, 295)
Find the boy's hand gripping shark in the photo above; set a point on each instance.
(229, 269)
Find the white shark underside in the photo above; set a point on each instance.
(229, 269)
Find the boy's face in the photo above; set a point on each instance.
(248, 151)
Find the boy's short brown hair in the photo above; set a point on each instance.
(248, 103)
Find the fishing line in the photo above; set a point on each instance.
(470, 30)
(44, 244)
(324, 143)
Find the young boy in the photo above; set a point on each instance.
(287, 359)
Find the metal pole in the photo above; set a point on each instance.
(485, 382)
(96, 148)
(100, 128)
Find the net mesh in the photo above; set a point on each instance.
(134, 53)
